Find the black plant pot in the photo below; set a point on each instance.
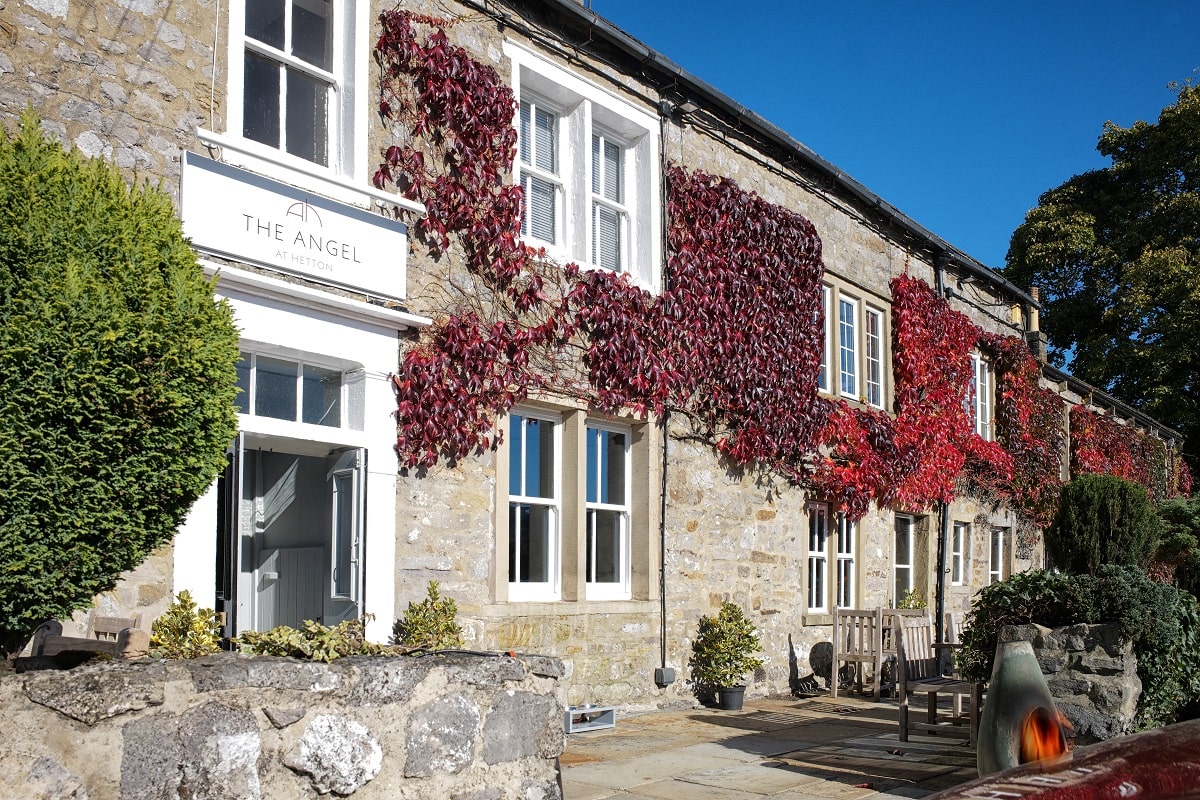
(731, 697)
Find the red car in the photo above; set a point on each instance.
(1162, 764)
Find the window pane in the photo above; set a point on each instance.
(903, 542)
(874, 354)
(848, 348)
(311, 32)
(604, 546)
(275, 388)
(606, 238)
(540, 197)
(322, 400)
(264, 22)
(606, 169)
(243, 383)
(903, 583)
(532, 463)
(823, 325)
(260, 105)
(516, 451)
(526, 134)
(605, 467)
(612, 172)
(307, 117)
(528, 543)
(545, 156)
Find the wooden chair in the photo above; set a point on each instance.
(119, 637)
(857, 640)
(918, 668)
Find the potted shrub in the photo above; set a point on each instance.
(725, 649)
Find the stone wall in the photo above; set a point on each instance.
(226, 726)
(1092, 675)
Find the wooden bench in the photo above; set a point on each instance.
(119, 637)
(919, 671)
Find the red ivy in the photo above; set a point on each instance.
(1100, 444)
(733, 343)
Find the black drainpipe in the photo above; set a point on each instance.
(662, 548)
(940, 581)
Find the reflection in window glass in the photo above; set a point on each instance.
(275, 388)
(264, 22)
(322, 396)
(307, 117)
(311, 32)
(607, 513)
(260, 103)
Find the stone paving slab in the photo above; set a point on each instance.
(785, 749)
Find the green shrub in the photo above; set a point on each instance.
(1102, 519)
(314, 641)
(185, 631)
(117, 373)
(1178, 553)
(724, 649)
(430, 624)
(1160, 620)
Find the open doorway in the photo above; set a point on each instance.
(291, 535)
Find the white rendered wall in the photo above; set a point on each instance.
(275, 316)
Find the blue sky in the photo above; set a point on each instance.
(959, 114)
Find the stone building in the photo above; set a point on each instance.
(594, 537)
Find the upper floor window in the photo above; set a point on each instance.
(873, 352)
(854, 357)
(979, 396)
(589, 168)
(292, 80)
(848, 346)
(295, 391)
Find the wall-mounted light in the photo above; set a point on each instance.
(671, 108)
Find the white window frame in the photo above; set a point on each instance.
(350, 415)
(530, 169)
(586, 109)
(960, 535)
(818, 557)
(845, 588)
(855, 347)
(551, 588)
(848, 349)
(621, 589)
(823, 377)
(996, 559)
(906, 526)
(346, 145)
(874, 381)
(979, 396)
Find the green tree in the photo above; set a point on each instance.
(117, 379)
(1116, 254)
(1102, 520)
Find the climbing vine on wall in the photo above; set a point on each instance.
(732, 345)
(1101, 444)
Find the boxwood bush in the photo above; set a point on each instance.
(117, 379)
(1102, 519)
(1161, 621)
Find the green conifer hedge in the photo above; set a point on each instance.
(117, 379)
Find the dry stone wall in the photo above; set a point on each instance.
(232, 726)
(1092, 675)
